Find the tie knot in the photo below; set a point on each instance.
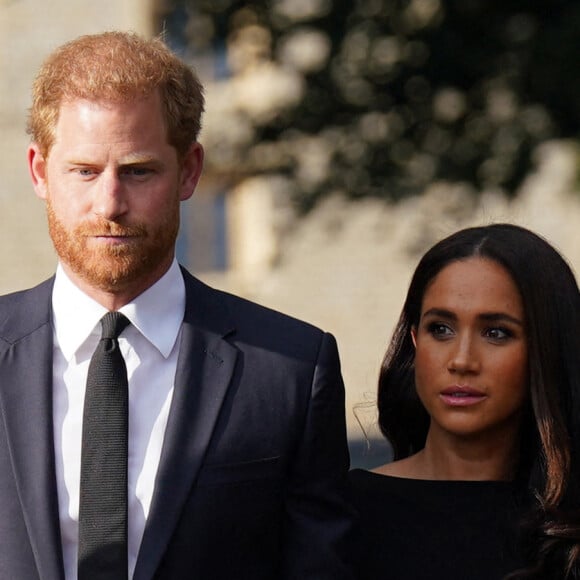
(112, 324)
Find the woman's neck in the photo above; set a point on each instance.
(468, 460)
(448, 457)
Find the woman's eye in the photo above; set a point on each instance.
(439, 330)
(498, 333)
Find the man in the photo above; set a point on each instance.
(236, 434)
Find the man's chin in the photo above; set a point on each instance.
(109, 281)
(116, 268)
(112, 274)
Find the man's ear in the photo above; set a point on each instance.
(191, 167)
(37, 168)
(414, 335)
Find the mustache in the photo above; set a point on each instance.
(109, 228)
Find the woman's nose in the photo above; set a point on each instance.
(464, 357)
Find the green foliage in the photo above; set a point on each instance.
(400, 93)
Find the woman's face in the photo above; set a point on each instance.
(471, 350)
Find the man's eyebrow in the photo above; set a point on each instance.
(79, 161)
(138, 159)
(133, 159)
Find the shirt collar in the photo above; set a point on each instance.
(157, 313)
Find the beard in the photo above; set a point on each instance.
(115, 267)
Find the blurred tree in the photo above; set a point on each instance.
(383, 97)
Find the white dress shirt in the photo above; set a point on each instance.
(150, 346)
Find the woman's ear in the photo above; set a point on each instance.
(414, 335)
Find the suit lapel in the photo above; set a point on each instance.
(204, 371)
(26, 405)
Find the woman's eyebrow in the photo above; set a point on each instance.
(487, 316)
(441, 312)
(498, 316)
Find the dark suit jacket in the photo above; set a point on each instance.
(250, 483)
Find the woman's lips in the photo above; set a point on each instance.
(461, 396)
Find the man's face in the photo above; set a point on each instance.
(112, 185)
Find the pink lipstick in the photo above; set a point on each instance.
(461, 396)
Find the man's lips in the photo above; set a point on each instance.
(113, 238)
(105, 229)
(461, 396)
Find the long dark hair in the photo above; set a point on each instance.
(550, 438)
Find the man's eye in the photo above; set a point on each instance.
(137, 171)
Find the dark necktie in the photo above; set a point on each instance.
(103, 492)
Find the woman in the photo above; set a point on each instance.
(479, 396)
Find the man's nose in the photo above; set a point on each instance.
(110, 198)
